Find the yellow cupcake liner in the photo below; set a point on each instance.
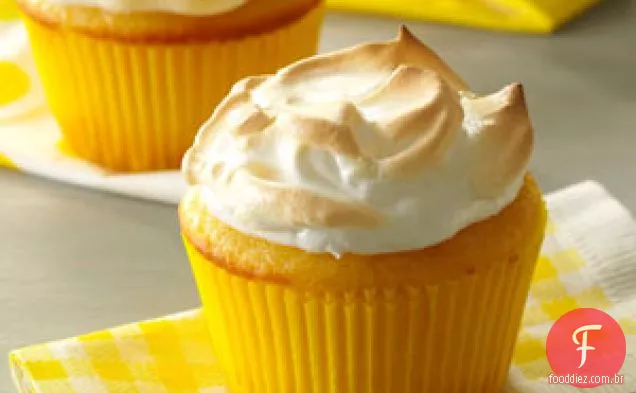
(137, 107)
(453, 337)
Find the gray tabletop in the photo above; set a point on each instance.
(73, 260)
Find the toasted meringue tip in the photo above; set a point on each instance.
(404, 34)
(515, 94)
(515, 101)
(510, 97)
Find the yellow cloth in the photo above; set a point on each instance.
(529, 16)
(588, 260)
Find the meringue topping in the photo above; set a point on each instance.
(373, 149)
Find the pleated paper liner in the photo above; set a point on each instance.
(137, 107)
(585, 262)
(449, 337)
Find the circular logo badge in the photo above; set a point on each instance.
(586, 348)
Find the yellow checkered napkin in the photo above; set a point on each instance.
(589, 260)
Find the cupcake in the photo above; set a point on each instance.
(130, 81)
(361, 222)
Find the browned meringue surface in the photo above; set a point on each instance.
(373, 149)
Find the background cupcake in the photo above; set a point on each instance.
(360, 222)
(130, 80)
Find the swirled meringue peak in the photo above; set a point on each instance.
(374, 149)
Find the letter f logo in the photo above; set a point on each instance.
(583, 344)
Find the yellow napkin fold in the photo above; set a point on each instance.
(170, 354)
(588, 260)
(529, 16)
